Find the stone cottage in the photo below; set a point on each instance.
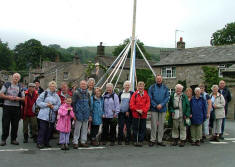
(186, 64)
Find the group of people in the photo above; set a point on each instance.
(86, 108)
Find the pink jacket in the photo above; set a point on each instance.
(64, 121)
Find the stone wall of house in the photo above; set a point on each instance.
(193, 75)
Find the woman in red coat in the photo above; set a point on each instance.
(139, 105)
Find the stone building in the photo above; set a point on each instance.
(186, 64)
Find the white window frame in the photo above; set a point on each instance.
(168, 69)
(221, 68)
(171, 91)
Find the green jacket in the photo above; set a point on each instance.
(185, 106)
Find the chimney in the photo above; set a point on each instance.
(100, 50)
(76, 59)
(181, 44)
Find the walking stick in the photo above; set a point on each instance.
(138, 129)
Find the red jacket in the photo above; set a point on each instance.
(139, 102)
(28, 104)
(62, 98)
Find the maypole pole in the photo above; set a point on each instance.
(133, 50)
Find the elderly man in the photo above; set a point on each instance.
(12, 94)
(180, 110)
(227, 96)
(159, 95)
(91, 85)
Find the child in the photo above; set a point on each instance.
(64, 122)
(97, 110)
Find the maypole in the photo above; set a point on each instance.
(133, 40)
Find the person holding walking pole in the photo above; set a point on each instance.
(139, 105)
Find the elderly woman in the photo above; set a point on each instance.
(91, 84)
(49, 103)
(218, 103)
(189, 93)
(180, 110)
(199, 115)
(124, 116)
(111, 110)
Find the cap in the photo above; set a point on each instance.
(31, 85)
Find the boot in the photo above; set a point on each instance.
(94, 143)
(62, 147)
(66, 147)
(175, 142)
(182, 143)
(26, 136)
(217, 139)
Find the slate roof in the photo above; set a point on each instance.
(200, 55)
(140, 63)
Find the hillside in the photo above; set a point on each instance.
(88, 53)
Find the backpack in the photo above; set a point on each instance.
(7, 85)
(36, 108)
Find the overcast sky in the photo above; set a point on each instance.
(87, 22)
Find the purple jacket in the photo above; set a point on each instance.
(111, 105)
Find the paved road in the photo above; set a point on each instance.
(207, 155)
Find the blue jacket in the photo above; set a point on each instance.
(97, 110)
(45, 112)
(198, 110)
(81, 104)
(158, 95)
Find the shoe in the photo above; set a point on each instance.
(217, 139)
(3, 143)
(161, 144)
(182, 143)
(140, 144)
(175, 142)
(48, 145)
(40, 146)
(14, 142)
(151, 144)
(197, 143)
(221, 137)
(103, 143)
(127, 143)
(66, 147)
(62, 147)
(25, 138)
(112, 143)
(94, 143)
(75, 146)
(193, 143)
(119, 143)
(35, 139)
(84, 145)
(213, 138)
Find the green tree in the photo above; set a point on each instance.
(28, 54)
(5, 57)
(120, 47)
(210, 77)
(145, 75)
(224, 36)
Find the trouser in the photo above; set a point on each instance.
(80, 131)
(109, 129)
(212, 117)
(139, 129)
(179, 129)
(30, 122)
(64, 138)
(217, 126)
(157, 126)
(10, 116)
(223, 126)
(94, 131)
(123, 119)
(205, 127)
(44, 132)
(196, 132)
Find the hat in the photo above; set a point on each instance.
(31, 85)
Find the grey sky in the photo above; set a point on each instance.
(87, 22)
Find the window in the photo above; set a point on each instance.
(168, 72)
(221, 68)
(66, 75)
